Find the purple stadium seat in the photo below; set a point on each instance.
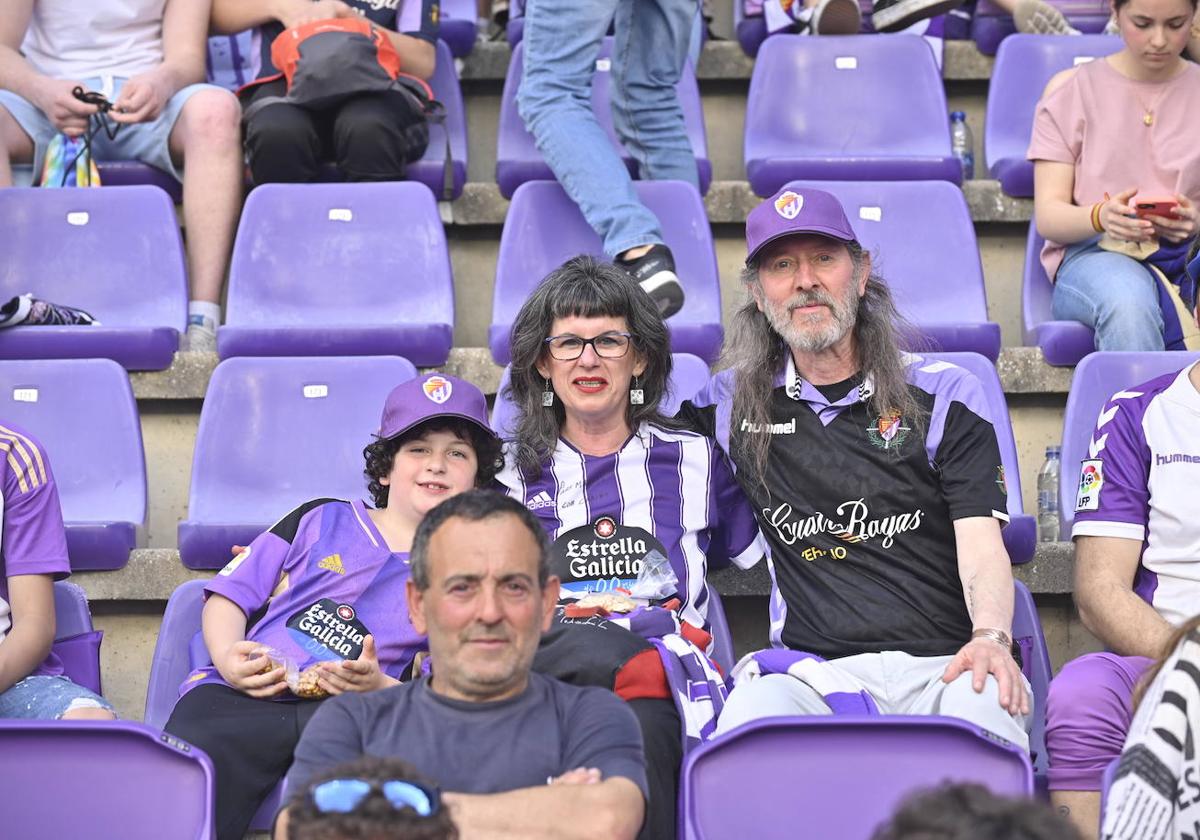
(518, 160)
(938, 286)
(1097, 377)
(132, 173)
(1020, 535)
(835, 776)
(688, 375)
(84, 414)
(274, 433)
(881, 106)
(114, 252)
(430, 170)
(1024, 65)
(102, 779)
(177, 652)
(991, 24)
(1062, 342)
(76, 642)
(457, 25)
(544, 228)
(340, 269)
(1035, 664)
(718, 625)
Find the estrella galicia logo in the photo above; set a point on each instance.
(602, 556)
(328, 630)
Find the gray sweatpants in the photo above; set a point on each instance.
(900, 685)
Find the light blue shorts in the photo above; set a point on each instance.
(146, 141)
(48, 698)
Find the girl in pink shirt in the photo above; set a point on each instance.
(1122, 126)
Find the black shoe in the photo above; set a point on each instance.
(26, 310)
(894, 15)
(655, 273)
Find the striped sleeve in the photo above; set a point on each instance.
(736, 536)
(34, 540)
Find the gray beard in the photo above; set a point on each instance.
(813, 338)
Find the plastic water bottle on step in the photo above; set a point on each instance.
(1048, 495)
(962, 143)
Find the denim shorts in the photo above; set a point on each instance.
(147, 142)
(47, 698)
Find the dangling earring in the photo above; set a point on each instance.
(548, 395)
(636, 395)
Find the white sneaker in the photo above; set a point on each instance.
(201, 335)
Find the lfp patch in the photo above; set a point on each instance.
(1091, 481)
(789, 205)
(437, 389)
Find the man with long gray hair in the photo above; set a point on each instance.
(876, 478)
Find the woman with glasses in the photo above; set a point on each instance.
(617, 485)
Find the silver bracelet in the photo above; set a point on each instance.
(998, 636)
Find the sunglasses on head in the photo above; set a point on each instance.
(341, 796)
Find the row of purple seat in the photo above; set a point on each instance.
(990, 25)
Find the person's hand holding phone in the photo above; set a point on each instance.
(1180, 226)
(1119, 218)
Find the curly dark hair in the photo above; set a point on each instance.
(972, 812)
(380, 453)
(375, 818)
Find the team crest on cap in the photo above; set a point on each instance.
(789, 205)
(437, 389)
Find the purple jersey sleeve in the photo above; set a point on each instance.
(34, 540)
(1113, 499)
(250, 578)
(736, 536)
(420, 19)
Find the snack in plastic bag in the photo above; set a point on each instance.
(656, 580)
(304, 683)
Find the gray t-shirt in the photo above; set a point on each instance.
(546, 730)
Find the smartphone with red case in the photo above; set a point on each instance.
(1155, 206)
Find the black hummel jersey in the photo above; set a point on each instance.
(858, 508)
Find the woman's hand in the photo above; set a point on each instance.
(1181, 228)
(1119, 218)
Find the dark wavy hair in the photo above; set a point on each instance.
(587, 288)
(374, 818)
(381, 452)
(972, 812)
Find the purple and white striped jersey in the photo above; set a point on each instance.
(34, 541)
(667, 488)
(315, 585)
(1139, 483)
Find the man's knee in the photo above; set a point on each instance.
(960, 700)
(211, 118)
(15, 144)
(88, 713)
(774, 695)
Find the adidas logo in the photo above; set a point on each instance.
(541, 500)
(333, 563)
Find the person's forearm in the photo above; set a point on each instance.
(1120, 619)
(1063, 222)
(17, 75)
(23, 649)
(185, 38)
(232, 16)
(988, 591)
(223, 624)
(553, 812)
(418, 57)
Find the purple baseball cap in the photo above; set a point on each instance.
(795, 209)
(432, 395)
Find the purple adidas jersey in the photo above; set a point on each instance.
(664, 490)
(318, 582)
(34, 542)
(1139, 483)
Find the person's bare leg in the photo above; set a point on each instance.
(15, 146)
(207, 137)
(1081, 807)
(90, 713)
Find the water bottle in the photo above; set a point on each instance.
(962, 143)
(1048, 496)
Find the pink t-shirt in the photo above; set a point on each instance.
(1094, 121)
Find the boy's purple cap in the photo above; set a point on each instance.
(792, 210)
(432, 395)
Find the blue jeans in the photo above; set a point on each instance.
(562, 39)
(47, 698)
(1113, 294)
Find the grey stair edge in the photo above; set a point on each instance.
(152, 574)
(724, 61)
(729, 202)
(1022, 370)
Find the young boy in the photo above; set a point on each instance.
(323, 592)
(32, 684)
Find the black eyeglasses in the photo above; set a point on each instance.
(609, 345)
(341, 796)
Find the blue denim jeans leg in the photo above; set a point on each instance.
(561, 42)
(1113, 294)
